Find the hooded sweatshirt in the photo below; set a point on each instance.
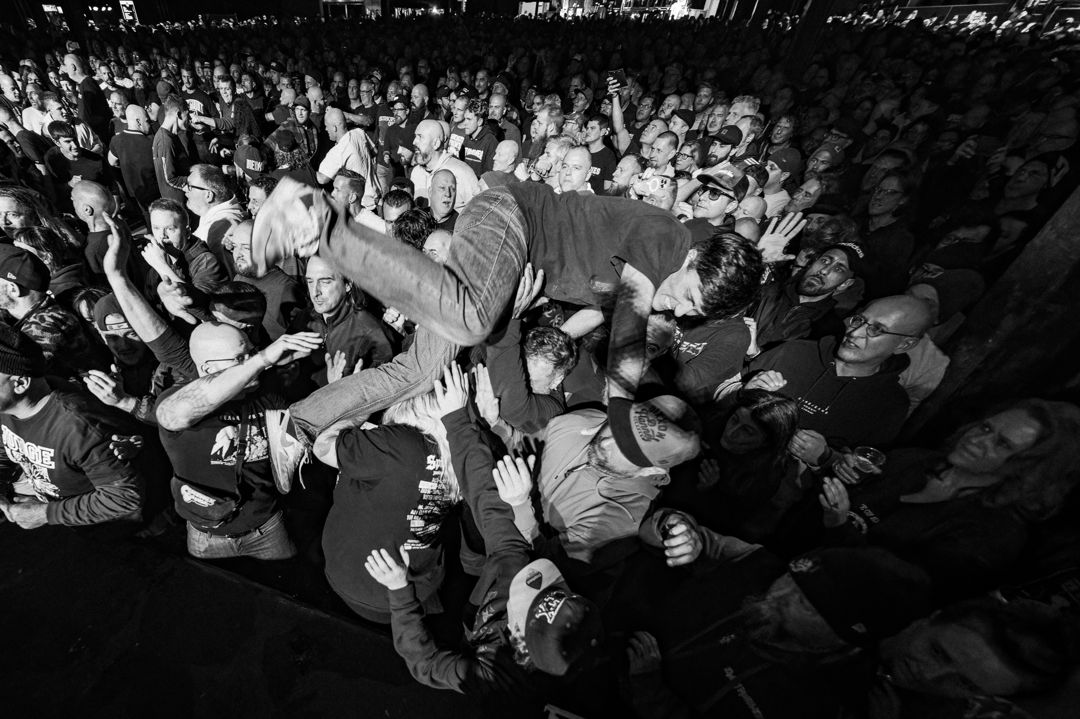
(848, 411)
(479, 152)
(214, 224)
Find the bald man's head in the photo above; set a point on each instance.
(91, 201)
(136, 119)
(74, 64)
(752, 207)
(885, 327)
(214, 345)
(506, 156)
(428, 140)
(334, 123)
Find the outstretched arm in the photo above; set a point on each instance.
(196, 400)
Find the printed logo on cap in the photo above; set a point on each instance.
(650, 425)
(803, 565)
(534, 580)
(548, 607)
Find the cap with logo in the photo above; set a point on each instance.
(558, 626)
(660, 432)
(23, 268)
(730, 179)
(728, 135)
(856, 256)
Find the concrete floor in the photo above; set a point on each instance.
(96, 626)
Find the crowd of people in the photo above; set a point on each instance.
(630, 314)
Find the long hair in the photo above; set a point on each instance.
(778, 417)
(1036, 481)
(34, 203)
(422, 413)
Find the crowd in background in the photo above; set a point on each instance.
(742, 535)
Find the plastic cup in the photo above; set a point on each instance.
(867, 459)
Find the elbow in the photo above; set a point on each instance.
(172, 420)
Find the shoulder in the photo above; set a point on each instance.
(388, 439)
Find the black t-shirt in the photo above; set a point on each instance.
(391, 491)
(87, 166)
(199, 103)
(93, 107)
(204, 455)
(604, 163)
(63, 454)
(135, 152)
(582, 241)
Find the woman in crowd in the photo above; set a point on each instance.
(745, 468)
(963, 513)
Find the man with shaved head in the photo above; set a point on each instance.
(214, 431)
(442, 200)
(352, 151)
(132, 151)
(431, 156)
(93, 107)
(92, 202)
(848, 387)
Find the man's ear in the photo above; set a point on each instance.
(690, 257)
(844, 285)
(20, 384)
(906, 345)
(784, 177)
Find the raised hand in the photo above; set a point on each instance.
(528, 290)
(106, 387)
(335, 366)
(119, 249)
(781, 231)
(453, 392)
(386, 570)
(835, 502)
(289, 348)
(486, 401)
(513, 479)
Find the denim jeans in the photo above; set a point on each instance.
(270, 541)
(453, 304)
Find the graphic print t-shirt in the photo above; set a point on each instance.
(205, 456)
(62, 453)
(391, 491)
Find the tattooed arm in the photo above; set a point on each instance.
(198, 399)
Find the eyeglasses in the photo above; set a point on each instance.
(188, 186)
(684, 155)
(232, 361)
(873, 329)
(715, 193)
